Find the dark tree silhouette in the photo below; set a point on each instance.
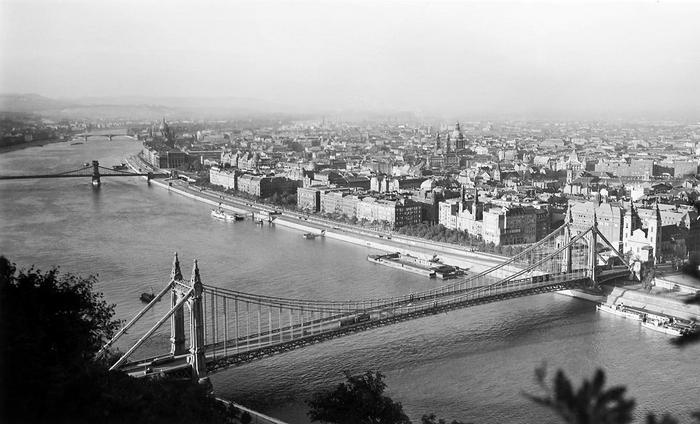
(51, 327)
(359, 400)
(590, 404)
(432, 419)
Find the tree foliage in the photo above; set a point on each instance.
(590, 404)
(359, 400)
(432, 419)
(51, 327)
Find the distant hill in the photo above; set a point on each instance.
(29, 103)
(92, 108)
(152, 108)
(137, 107)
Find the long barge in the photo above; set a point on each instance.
(654, 321)
(429, 268)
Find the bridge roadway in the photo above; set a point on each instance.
(233, 352)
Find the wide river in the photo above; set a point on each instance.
(472, 365)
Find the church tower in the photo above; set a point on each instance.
(437, 144)
(654, 234)
(631, 222)
(458, 137)
(477, 208)
(497, 172)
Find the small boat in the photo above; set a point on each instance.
(310, 236)
(221, 214)
(77, 142)
(147, 297)
(238, 217)
(663, 327)
(619, 310)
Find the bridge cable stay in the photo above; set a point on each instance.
(615, 251)
(135, 318)
(175, 278)
(542, 261)
(153, 329)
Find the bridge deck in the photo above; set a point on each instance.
(234, 352)
(229, 328)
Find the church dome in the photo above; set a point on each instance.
(457, 133)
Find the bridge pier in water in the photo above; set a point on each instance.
(96, 174)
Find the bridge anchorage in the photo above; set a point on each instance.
(226, 328)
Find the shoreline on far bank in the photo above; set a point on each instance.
(27, 144)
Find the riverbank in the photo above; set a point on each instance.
(475, 261)
(449, 255)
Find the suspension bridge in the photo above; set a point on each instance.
(227, 328)
(88, 170)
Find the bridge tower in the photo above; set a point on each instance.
(593, 250)
(177, 320)
(567, 241)
(197, 359)
(96, 173)
(192, 290)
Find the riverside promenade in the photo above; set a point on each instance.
(449, 254)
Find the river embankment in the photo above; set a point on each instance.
(449, 255)
(473, 261)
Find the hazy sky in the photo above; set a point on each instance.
(533, 58)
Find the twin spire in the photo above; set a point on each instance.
(176, 273)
